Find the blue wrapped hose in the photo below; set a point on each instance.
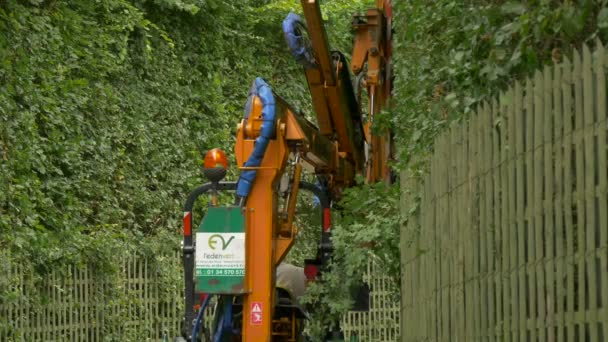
(292, 29)
(199, 317)
(267, 131)
(225, 323)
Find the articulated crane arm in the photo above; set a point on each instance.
(333, 97)
(371, 65)
(336, 102)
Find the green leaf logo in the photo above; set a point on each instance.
(213, 239)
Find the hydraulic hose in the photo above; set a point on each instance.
(293, 27)
(267, 131)
(219, 332)
(225, 323)
(199, 317)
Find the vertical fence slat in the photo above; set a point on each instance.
(549, 191)
(532, 304)
(477, 237)
(519, 218)
(431, 267)
(437, 195)
(488, 302)
(538, 203)
(560, 248)
(483, 229)
(589, 191)
(498, 311)
(602, 148)
(457, 231)
(512, 218)
(465, 229)
(448, 246)
(503, 141)
(579, 171)
(566, 88)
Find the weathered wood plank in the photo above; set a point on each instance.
(560, 248)
(602, 167)
(589, 191)
(519, 214)
(579, 172)
(446, 260)
(484, 224)
(478, 253)
(460, 227)
(530, 200)
(452, 249)
(503, 130)
(466, 232)
(566, 88)
(498, 253)
(548, 199)
(539, 109)
(512, 216)
(491, 227)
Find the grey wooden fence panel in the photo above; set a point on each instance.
(519, 214)
(568, 146)
(560, 247)
(579, 195)
(71, 304)
(516, 219)
(490, 226)
(602, 176)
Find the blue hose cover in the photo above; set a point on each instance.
(199, 317)
(219, 333)
(267, 131)
(295, 41)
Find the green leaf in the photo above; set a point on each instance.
(573, 21)
(513, 7)
(459, 56)
(602, 18)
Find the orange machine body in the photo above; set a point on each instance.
(270, 235)
(261, 227)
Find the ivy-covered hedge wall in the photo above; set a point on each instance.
(107, 107)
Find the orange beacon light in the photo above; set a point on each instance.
(215, 158)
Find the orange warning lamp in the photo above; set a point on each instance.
(214, 157)
(215, 165)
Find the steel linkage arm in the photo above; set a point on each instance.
(333, 97)
(371, 64)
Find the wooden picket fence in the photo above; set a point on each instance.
(512, 240)
(76, 304)
(140, 303)
(382, 322)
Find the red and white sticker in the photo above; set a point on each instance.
(256, 313)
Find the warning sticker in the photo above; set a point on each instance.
(256, 313)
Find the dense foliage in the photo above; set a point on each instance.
(451, 55)
(109, 105)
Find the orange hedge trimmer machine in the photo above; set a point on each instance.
(236, 251)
